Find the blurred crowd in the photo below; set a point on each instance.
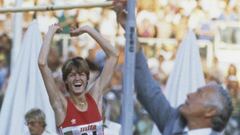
(168, 20)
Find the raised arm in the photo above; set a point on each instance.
(57, 99)
(101, 84)
(148, 90)
(150, 94)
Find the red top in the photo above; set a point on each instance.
(77, 122)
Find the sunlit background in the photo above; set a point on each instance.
(161, 26)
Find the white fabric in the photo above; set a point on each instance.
(44, 133)
(187, 74)
(26, 89)
(112, 128)
(202, 131)
(48, 133)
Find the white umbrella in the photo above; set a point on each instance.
(187, 74)
(25, 89)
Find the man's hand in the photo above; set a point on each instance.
(119, 5)
(119, 8)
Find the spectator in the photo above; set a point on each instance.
(36, 122)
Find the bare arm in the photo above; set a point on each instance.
(99, 87)
(57, 99)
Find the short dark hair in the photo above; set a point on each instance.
(36, 114)
(224, 111)
(77, 63)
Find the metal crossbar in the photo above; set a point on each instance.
(54, 7)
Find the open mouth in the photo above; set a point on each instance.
(78, 84)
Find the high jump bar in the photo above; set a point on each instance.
(58, 7)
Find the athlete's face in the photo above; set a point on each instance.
(76, 82)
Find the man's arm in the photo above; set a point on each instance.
(150, 94)
(148, 90)
(102, 82)
(57, 99)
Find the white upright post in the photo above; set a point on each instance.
(129, 70)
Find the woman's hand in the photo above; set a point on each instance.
(78, 31)
(52, 29)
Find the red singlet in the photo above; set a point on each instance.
(82, 123)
